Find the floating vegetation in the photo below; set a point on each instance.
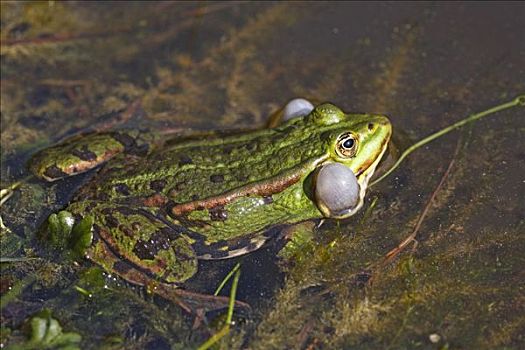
(46, 333)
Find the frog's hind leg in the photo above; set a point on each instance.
(110, 262)
(143, 250)
(84, 152)
(187, 300)
(140, 238)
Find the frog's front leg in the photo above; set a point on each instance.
(298, 238)
(82, 153)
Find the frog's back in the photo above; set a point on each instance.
(225, 193)
(203, 169)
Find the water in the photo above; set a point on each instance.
(70, 67)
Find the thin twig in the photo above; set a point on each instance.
(226, 279)
(518, 101)
(411, 238)
(226, 328)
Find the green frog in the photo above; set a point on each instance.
(152, 211)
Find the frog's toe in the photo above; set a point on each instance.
(63, 231)
(59, 227)
(82, 235)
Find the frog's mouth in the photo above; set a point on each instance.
(363, 179)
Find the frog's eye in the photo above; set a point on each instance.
(346, 146)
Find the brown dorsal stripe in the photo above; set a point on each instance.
(263, 189)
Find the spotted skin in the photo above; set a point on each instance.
(160, 207)
(141, 240)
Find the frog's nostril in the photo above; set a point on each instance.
(371, 127)
(385, 121)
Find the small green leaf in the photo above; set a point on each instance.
(46, 333)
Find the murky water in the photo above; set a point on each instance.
(71, 67)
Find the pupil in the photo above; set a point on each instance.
(348, 143)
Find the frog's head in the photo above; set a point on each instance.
(355, 144)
